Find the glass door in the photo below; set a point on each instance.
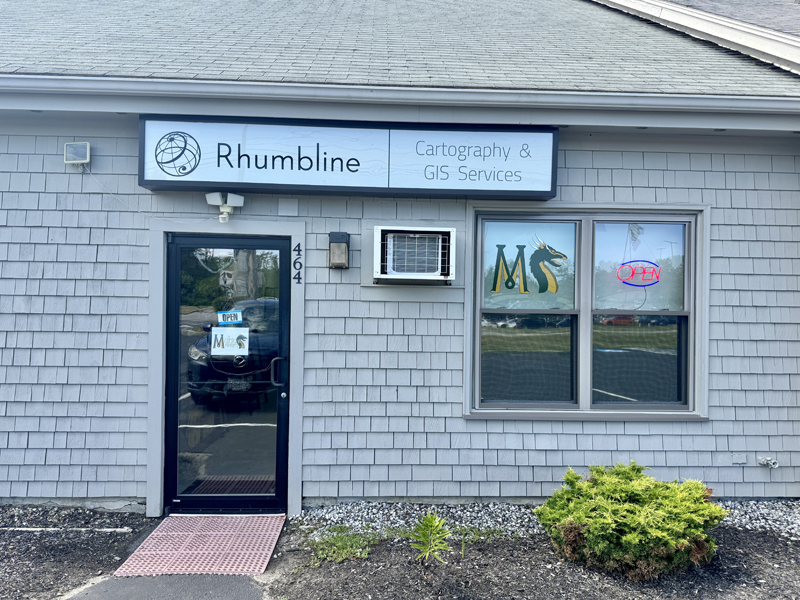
(227, 373)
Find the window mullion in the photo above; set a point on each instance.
(584, 266)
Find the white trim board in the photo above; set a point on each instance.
(771, 46)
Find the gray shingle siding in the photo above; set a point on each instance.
(383, 379)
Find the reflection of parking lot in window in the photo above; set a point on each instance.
(637, 359)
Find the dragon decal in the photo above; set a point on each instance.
(508, 277)
(240, 340)
(544, 277)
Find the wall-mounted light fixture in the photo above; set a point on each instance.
(225, 207)
(339, 242)
(77, 153)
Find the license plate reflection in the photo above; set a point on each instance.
(238, 385)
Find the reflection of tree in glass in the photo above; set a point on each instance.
(565, 273)
(218, 279)
(667, 294)
(200, 268)
(268, 266)
(638, 244)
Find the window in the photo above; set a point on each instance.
(584, 313)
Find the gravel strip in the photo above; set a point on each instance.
(382, 517)
(778, 516)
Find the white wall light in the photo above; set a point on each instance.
(78, 154)
(235, 200)
(215, 199)
(225, 207)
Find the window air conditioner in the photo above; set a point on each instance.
(414, 254)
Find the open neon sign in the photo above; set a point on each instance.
(633, 271)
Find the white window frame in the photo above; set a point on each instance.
(697, 284)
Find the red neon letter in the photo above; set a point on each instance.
(624, 278)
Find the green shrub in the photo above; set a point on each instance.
(621, 520)
(429, 535)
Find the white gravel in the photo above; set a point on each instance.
(779, 516)
(382, 517)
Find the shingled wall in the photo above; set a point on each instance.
(383, 379)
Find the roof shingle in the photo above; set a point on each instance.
(558, 45)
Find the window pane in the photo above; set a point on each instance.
(529, 265)
(639, 360)
(527, 358)
(639, 266)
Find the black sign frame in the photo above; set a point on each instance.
(207, 186)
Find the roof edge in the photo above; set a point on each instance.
(66, 86)
(780, 49)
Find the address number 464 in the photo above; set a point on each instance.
(297, 264)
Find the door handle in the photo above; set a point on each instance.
(272, 371)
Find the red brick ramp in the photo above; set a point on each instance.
(214, 545)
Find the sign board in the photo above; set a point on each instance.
(230, 341)
(229, 317)
(639, 273)
(344, 157)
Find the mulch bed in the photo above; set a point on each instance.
(44, 565)
(748, 565)
(41, 565)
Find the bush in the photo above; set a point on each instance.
(621, 520)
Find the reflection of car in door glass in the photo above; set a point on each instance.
(619, 320)
(217, 378)
(654, 320)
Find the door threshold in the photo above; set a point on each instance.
(224, 512)
(227, 514)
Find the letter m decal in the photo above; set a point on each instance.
(218, 341)
(502, 272)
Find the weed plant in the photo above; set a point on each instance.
(341, 544)
(621, 520)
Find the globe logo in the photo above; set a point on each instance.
(177, 154)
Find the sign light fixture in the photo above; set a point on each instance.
(76, 153)
(225, 204)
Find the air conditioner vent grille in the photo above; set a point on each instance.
(412, 253)
(421, 254)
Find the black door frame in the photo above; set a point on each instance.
(173, 502)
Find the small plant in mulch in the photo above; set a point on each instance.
(621, 520)
(429, 535)
(341, 543)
